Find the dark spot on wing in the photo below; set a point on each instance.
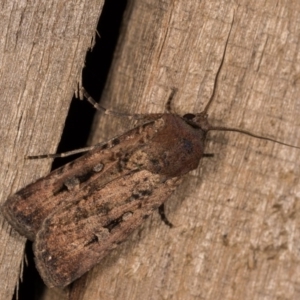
(146, 192)
(155, 162)
(187, 145)
(105, 146)
(115, 142)
(86, 176)
(93, 240)
(112, 224)
(135, 196)
(104, 209)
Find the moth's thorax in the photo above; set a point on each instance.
(176, 148)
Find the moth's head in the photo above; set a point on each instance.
(198, 121)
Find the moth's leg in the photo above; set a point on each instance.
(101, 108)
(208, 154)
(146, 117)
(168, 106)
(65, 154)
(161, 211)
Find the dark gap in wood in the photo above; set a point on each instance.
(80, 118)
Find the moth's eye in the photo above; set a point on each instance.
(189, 116)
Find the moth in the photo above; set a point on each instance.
(80, 212)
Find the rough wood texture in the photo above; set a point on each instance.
(237, 217)
(43, 46)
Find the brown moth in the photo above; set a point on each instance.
(79, 212)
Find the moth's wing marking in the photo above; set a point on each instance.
(77, 236)
(27, 209)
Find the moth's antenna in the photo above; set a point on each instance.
(218, 72)
(220, 128)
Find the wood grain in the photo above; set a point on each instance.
(43, 46)
(237, 216)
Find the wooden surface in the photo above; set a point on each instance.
(42, 48)
(237, 215)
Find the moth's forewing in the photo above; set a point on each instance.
(27, 209)
(77, 236)
(79, 212)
